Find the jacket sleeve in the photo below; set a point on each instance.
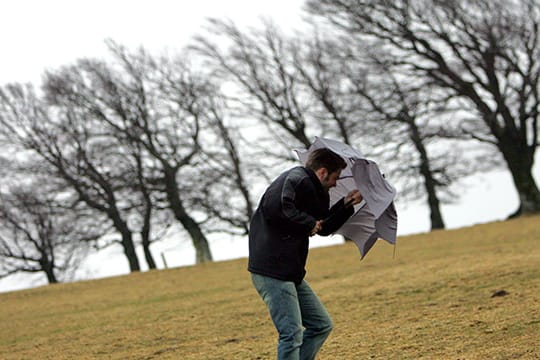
(338, 214)
(289, 211)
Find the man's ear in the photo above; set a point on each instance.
(322, 173)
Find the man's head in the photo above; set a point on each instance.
(327, 165)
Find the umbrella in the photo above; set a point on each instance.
(375, 217)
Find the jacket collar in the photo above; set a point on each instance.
(316, 182)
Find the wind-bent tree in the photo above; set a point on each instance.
(80, 152)
(149, 214)
(259, 65)
(319, 64)
(407, 115)
(359, 100)
(484, 52)
(152, 103)
(165, 116)
(226, 167)
(327, 75)
(37, 234)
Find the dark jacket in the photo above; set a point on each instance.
(280, 228)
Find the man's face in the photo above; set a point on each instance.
(329, 180)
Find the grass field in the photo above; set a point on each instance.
(435, 300)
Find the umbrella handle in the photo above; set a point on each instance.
(349, 203)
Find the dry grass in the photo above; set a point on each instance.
(434, 301)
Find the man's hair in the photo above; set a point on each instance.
(325, 158)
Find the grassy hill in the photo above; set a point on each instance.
(435, 300)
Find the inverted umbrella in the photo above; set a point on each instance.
(375, 217)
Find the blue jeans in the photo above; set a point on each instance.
(300, 318)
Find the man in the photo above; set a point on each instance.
(292, 209)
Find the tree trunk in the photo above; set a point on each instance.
(200, 243)
(148, 254)
(127, 243)
(48, 269)
(145, 235)
(520, 162)
(529, 196)
(129, 251)
(429, 182)
(51, 278)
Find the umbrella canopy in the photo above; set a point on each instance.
(375, 217)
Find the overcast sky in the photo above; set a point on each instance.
(40, 34)
(45, 34)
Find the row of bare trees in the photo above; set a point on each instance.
(481, 57)
(119, 151)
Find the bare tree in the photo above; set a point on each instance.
(360, 100)
(319, 64)
(154, 104)
(259, 64)
(405, 114)
(80, 153)
(323, 73)
(485, 52)
(150, 215)
(38, 235)
(225, 168)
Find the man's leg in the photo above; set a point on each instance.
(316, 320)
(282, 302)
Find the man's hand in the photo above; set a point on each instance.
(316, 228)
(353, 198)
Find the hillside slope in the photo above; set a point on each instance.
(471, 293)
